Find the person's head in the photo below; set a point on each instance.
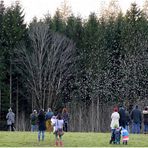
(136, 107)
(115, 109)
(49, 110)
(53, 117)
(42, 111)
(34, 111)
(146, 108)
(59, 116)
(64, 110)
(10, 110)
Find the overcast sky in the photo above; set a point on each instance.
(39, 8)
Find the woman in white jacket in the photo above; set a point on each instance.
(115, 118)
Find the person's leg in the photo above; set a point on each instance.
(39, 134)
(66, 127)
(12, 127)
(61, 142)
(56, 139)
(144, 128)
(32, 128)
(9, 127)
(138, 128)
(43, 135)
(134, 128)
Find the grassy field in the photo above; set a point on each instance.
(29, 139)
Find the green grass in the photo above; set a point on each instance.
(29, 139)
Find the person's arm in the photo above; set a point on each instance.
(7, 116)
(131, 115)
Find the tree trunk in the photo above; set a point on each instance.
(98, 116)
(80, 119)
(10, 93)
(17, 106)
(92, 115)
(0, 103)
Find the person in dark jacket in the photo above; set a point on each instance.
(127, 120)
(145, 120)
(41, 124)
(65, 118)
(122, 117)
(136, 118)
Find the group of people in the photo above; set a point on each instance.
(121, 119)
(47, 121)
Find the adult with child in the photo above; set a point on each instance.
(136, 117)
(65, 118)
(33, 120)
(122, 119)
(41, 125)
(59, 130)
(145, 120)
(48, 117)
(10, 120)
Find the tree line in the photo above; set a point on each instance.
(69, 61)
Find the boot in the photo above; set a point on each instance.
(61, 143)
(56, 143)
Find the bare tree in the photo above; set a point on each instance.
(45, 63)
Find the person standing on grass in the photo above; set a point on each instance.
(122, 116)
(127, 120)
(10, 120)
(59, 130)
(145, 120)
(136, 118)
(33, 120)
(125, 135)
(65, 118)
(41, 125)
(114, 123)
(115, 119)
(48, 117)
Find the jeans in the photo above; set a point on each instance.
(145, 128)
(136, 128)
(39, 135)
(33, 128)
(127, 128)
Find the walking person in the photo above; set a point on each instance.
(33, 121)
(59, 130)
(136, 118)
(145, 120)
(10, 120)
(41, 125)
(65, 118)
